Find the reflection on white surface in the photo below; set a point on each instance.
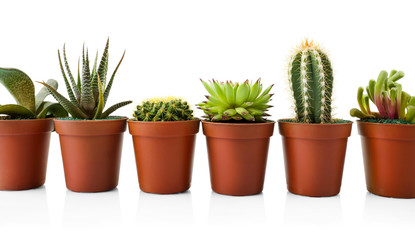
(312, 210)
(165, 208)
(236, 210)
(388, 210)
(85, 209)
(24, 207)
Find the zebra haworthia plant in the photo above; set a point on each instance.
(89, 94)
(311, 80)
(230, 101)
(28, 104)
(388, 97)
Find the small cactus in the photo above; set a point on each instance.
(387, 95)
(163, 109)
(311, 79)
(236, 102)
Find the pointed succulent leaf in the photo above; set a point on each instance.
(103, 65)
(66, 104)
(52, 109)
(87, 97)
(94, 78)
(67, 84)
(114, 107)
(254, 91)
(242, 94)
(100, 106)
(68, 70)
(20, 87)
(108, 88)
(357, 113)
(15, 110)
(44, 92)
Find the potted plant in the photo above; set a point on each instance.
(164, 133)
(314, 143)
(91, 140)
(388, 136)
(237, 135)
(25, 130)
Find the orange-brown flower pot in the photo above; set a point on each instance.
(91, 153)
(237, 156)
(164, 154)
(24, 148)
(314, 157)
(389, 160)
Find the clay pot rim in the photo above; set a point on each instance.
(90, 120)
(28, 120)
(160, 122)
(238, 124)
(315, 124)
(387, 124)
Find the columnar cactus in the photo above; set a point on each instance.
(311, 79)
(163, 109)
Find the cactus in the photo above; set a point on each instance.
(236, 102)
(88, 95)
(28, 105)
(163, 109)
(311, 80)
(388, 97)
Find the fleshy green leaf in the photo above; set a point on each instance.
(66, 104)
(20, 87)
(73, 83)
(44, 92)
(15, 110)
(108, 89)
(114, 107)
(100, 107)
(52, 109)
(67, 84)
(87, 96)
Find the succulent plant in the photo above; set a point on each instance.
(388, 97)
(311, 80)
(230, 101)
(28, 105)
(163, 109)
(89, 94)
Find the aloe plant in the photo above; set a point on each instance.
(387, 95)
(88, 95)
(28, 105)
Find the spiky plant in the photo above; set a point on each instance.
(89, 94)
(230, 101)
(311, 80)
(388, 97)
(28, 105)
(163, 109)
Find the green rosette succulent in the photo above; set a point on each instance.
(228, 101)
(29, 105)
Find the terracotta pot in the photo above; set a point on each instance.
(24, 148)
(314, 157)
(164, 154)
(388, 154)
(91, 153)
(237, 156)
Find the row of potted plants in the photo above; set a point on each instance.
(235, 125)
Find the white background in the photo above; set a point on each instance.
(170, 45)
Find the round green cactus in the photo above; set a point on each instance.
(230, 101)
(163, 109)
(311, 80)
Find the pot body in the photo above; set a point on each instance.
(24, 148)
(388, 154)
(91, 153)
(164, 154)
(314, 157)
(237, 156)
